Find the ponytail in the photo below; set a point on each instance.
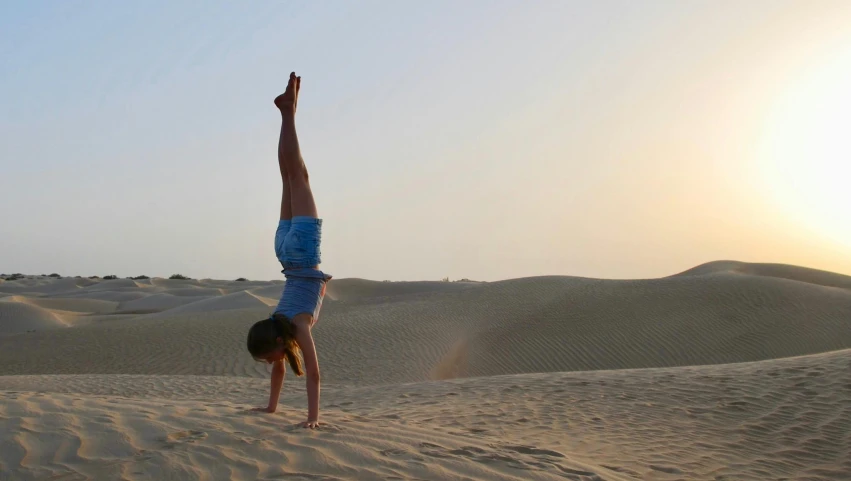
(286, 330)
(263, 339)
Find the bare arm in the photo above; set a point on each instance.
(278, 371)
(311, 368)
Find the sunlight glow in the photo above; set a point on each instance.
(805, 151)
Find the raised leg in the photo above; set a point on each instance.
(293, 171)
(286, 202)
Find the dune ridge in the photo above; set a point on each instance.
(725, 371)
(536, 324)
(17, 316)
(780, 271)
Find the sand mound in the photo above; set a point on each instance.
(157, 303)
(654, 323)
(119, 296)
(778, 419)
(195, 291)
(538, 324)
(137, 439)
(163, 394)
(237, 300)
(356, 289)
(84, 282)
(87, 306)
(17, 317)
(271, 292)
(173, 283)
(113, 285)
(41, 286)
(780, 271)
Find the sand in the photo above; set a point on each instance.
(725, 371)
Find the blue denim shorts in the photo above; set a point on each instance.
(297, 248)
(297, 242)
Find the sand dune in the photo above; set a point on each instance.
(111, 296)
(538, 324)
(194, 291)
(550, 377)
(237, 300)
(358, 289)
(39, 286)
(17, 317)
(115, 285)
(779, 419)
(780, 271)
(271, 292)
(87, 306)
(157, 303)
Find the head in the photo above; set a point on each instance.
(273, 339)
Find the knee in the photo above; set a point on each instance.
(295, 176)
(299, 176)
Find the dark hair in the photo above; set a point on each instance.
(263, 339)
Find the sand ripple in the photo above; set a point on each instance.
(781, 419)
(728, 371)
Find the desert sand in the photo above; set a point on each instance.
(727, 371)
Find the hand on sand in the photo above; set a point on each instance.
(266, 409)
(310, 424)
(288, 101)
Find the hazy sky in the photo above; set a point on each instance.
(480, 139)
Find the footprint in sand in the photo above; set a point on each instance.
(619, 469)
(393, 452)
(431, 445)
(304, 476)
(184, 437)
(434, 450)
(467, 451)
(401, 453)
(665, 469)
(533, 451)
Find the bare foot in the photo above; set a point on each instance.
(264, 409)
(310, 424)
(287, 101)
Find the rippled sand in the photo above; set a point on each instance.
(535, 378)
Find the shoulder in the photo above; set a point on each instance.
(303, 322)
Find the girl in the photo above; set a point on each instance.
(287, 331)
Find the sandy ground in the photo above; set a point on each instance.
(725, 371)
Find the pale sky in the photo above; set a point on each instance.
(479, 139)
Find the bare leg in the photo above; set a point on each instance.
(286, 203)
(293, 170)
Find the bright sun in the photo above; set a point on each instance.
(805, 152)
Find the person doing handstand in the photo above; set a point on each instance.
(287, 331)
